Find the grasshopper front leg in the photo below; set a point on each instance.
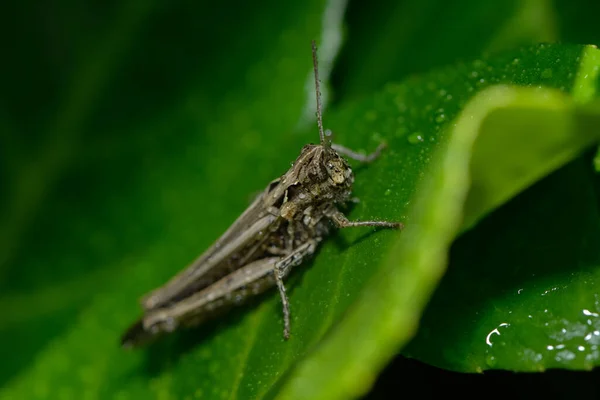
(363, 158)
(341, 221)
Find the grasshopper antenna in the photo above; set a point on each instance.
(324, 142)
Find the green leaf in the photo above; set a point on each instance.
(535, 303)
(532, 308)
(370, 287)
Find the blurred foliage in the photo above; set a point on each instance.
(126, 133)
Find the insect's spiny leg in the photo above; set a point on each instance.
(340, 220)
(282, 269)
(284, 301)
(381, 224)
(364, 158)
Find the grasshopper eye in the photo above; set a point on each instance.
(336, 171)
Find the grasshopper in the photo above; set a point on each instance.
(278, 231)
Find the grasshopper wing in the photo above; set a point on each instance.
(244, 236)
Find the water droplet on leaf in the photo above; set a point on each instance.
(415, 138)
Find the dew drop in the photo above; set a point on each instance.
(589, 313)
(415, 138)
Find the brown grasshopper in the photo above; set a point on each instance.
(278, 231)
